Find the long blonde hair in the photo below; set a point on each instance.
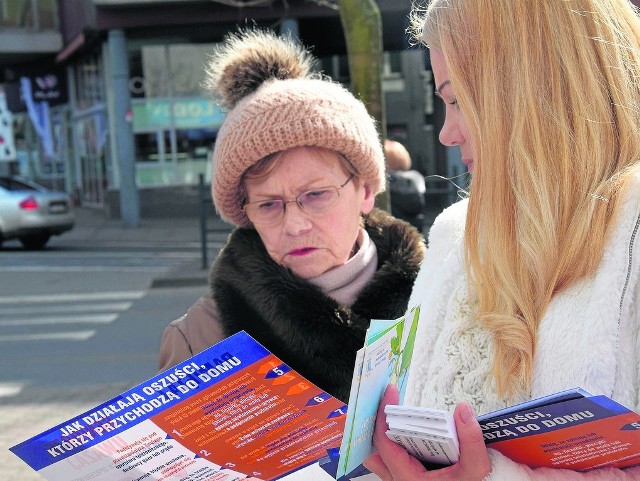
(551, 92)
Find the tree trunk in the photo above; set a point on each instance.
(362, 27)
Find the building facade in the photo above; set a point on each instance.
(134, 130)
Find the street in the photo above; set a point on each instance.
(78, 325)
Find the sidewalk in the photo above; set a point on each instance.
(25, 416)
(94, 230)
(33, 410)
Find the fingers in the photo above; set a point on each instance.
(375, 464)
(390, 396)
(393, 463)
(398, 464)
(474, 460)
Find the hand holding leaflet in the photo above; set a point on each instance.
(384, 359)
(571, 429)
(428, 434)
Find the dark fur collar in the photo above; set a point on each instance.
(295, 320)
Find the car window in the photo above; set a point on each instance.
(12, 184)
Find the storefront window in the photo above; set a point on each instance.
(26, 146)
(91, 130)
(35, 14)
(146, 145)
(92, 158)
(175, 122)
(155, 73)
(195, 144)
(186, 67)
(89, 84)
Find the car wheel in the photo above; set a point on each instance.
(35, 242)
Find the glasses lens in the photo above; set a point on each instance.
(319, 200)
(264, 212)
(312, 202)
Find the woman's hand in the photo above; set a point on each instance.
(392, 463)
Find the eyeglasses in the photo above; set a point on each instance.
(312, 202)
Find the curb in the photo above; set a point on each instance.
(187, 274)
(181, 282)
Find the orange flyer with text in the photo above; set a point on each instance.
(586, 432)
(231, 412)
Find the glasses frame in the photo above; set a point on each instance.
(295, 201)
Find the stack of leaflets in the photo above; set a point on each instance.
(571, 429)
(384, 360)
(427, 434)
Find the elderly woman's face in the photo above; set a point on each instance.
(310, 244)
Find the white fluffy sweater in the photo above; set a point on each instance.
(589, 336)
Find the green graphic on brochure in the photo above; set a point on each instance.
(384, 360)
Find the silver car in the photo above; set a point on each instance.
(32, 213)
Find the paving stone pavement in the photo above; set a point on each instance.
(29, 414)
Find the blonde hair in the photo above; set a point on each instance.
(550, 90)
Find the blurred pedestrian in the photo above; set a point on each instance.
(407, 188)
(397, 156)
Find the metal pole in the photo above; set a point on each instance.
(129, 197)
(203, 221)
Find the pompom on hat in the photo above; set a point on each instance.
(274, 104)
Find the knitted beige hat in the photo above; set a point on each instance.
(276, 104)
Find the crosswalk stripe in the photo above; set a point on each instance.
(42, 268)
(50, 336)
(109, 255)
(10, 389)
(60, 309)
(41, 321)
(107, 306)
(80, 296)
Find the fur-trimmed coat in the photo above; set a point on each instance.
(293, 318)
(589, 336)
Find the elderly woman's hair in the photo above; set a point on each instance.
(550, 92)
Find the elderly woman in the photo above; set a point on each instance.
(297, 165)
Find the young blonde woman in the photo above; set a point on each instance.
(532, 284)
